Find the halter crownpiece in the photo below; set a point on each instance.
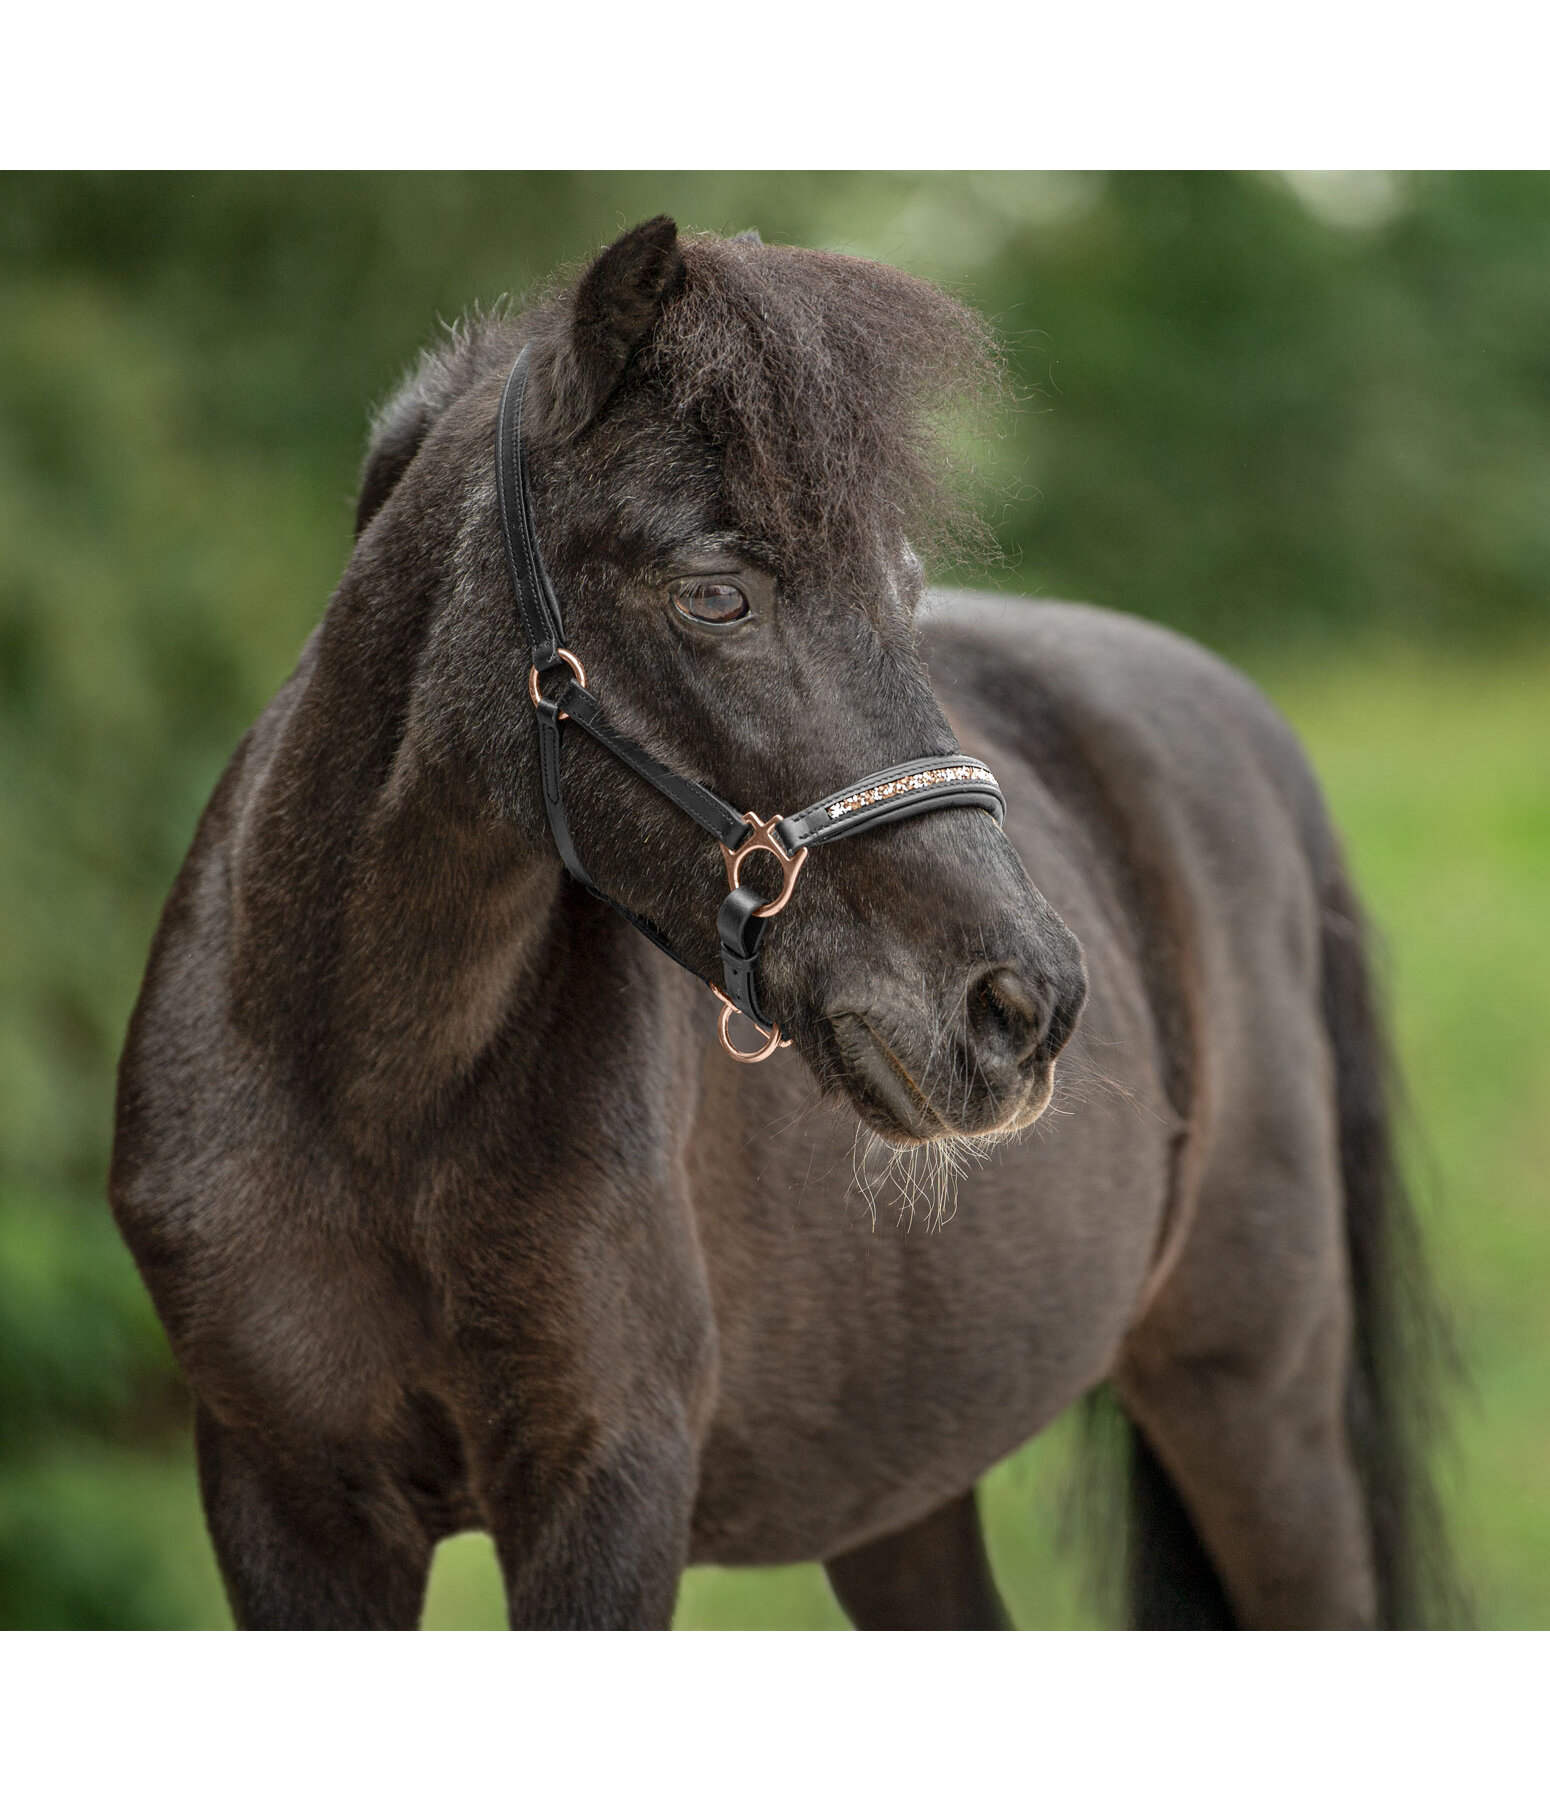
(925, 785)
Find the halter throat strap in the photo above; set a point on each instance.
(558, 690)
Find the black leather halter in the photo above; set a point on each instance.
(925, 785)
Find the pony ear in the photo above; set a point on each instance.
(612, 312)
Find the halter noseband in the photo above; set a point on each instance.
(925, 785)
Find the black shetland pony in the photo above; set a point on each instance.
(455, 1211)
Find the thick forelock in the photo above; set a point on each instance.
(832, 385)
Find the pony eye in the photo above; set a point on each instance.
(711, 602)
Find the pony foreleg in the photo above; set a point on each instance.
(596, 1548)
(306, 1543)
(932, 1576)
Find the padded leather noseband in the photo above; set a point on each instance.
(924, 785)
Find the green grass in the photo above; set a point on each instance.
(1439, 774)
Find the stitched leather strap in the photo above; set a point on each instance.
(741, 931)
(536, 598)
(547, 712)
(708, 811)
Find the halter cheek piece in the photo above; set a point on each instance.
(925, 785)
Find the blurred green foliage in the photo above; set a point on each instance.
(1305, 418)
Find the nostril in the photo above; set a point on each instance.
(1003, 1005)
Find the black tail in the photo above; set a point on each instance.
(1152, 1571)
(1402, 1355)
(1170, 1582)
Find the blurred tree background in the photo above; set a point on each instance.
(1305, 418)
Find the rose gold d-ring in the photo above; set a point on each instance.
(776, 1041)
(763, 837)
(573, 663)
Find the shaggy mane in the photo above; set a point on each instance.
(830, 384)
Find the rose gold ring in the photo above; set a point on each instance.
(573, 663)
(762, 837)
(774, 1043)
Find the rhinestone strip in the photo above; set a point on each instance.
(906, 784)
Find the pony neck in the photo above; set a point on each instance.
(388, 925)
